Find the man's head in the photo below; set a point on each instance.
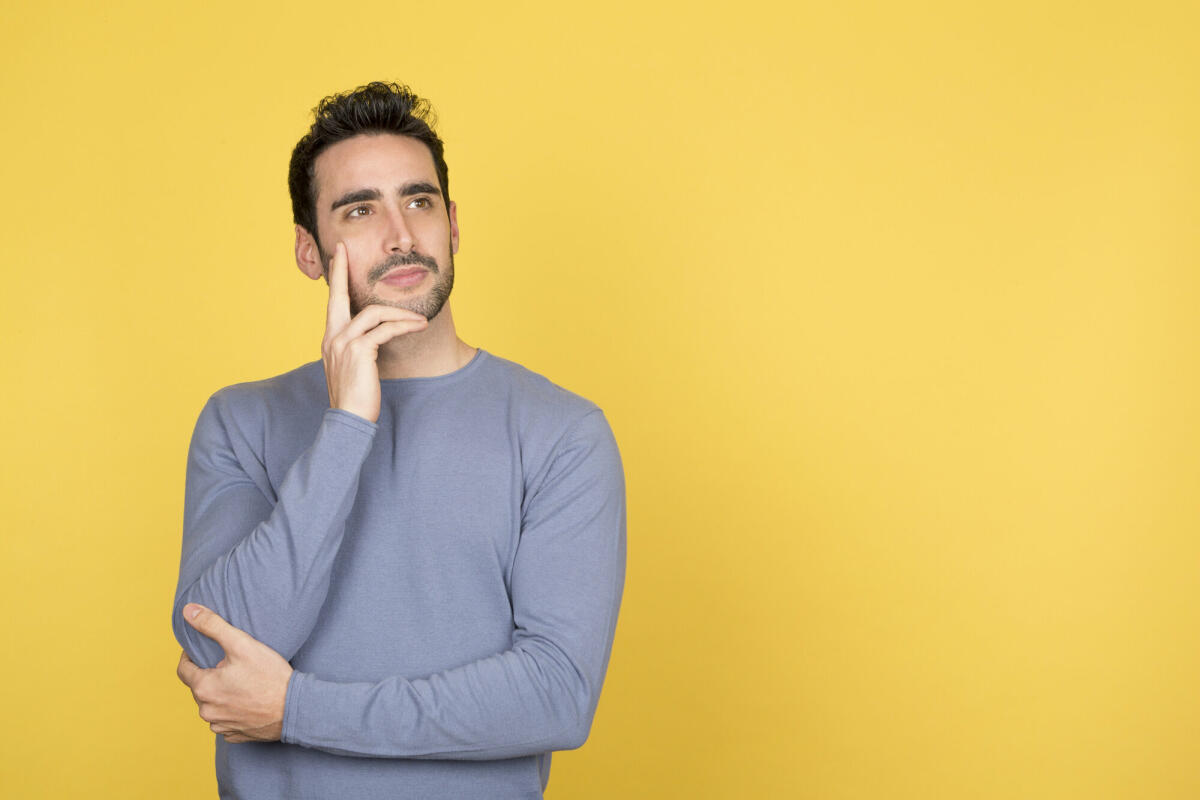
(371, 173)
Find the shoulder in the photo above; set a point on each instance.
(534, 389)
(550, 420)
(296, 385)
(249, 406)
(541, 408)
(568, 453)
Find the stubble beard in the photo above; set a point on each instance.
(428, 305)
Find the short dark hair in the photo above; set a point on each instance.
(375, 108)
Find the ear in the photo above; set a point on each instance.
(453, 227)
(308, 255)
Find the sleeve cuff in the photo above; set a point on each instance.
(352, 421)
(290, 713)
(328, 715)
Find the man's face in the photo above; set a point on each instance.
(379, 193)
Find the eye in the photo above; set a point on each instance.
(359, 211)
(421, 202)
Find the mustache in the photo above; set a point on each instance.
(409, 259)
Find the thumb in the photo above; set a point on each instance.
(212, 625)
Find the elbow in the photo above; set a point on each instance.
(569, 694)
(583, 707)
(580, 708)
(575, 738)
(569, 737)
(203, 652)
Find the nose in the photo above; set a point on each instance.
(399, 238)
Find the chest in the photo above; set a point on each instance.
(429, 545)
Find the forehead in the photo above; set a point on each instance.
(372, 160)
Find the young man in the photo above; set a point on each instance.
(401, 564)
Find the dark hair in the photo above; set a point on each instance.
(375, 108)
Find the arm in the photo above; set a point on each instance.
(540, 694)
(263, 562)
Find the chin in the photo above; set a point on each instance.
(428, 306)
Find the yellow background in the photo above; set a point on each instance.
(892, 308)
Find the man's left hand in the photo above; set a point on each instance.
(242, 697)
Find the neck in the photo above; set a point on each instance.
(437, 350)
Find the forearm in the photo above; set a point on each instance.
(530, 699)
(266, 568)
(541, 693)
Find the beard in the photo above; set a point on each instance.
(428, 305)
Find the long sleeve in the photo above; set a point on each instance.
(540, 694)
(259, 560)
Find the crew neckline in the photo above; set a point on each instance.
(449, 377)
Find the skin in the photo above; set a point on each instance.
(394, 223)
(241, 698)
(371, 333)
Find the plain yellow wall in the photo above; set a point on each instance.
(892, 308)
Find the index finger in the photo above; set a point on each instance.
(187, 671)
(337, 315)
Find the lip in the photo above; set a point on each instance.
(409, 276)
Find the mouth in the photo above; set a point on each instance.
(405, 276)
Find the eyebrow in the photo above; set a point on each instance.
(355, 196)
(362, 195)
(418, 187)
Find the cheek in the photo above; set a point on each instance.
(356, 247)
(357, 237)
(358, 280)
(360, 257)
(437, 237)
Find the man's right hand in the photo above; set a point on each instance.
(351, 346)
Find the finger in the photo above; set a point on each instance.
(237, 738)
(338, 312)
(386, 331)
(187, 671)
(373, 315)
(213, 626)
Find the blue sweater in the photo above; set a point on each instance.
(444, 582)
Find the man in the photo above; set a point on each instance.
(402, 564)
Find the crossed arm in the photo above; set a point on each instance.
(242, 698)
(263, 558)
(538, 695)
(262, 564)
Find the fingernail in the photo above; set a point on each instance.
(191, 610)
